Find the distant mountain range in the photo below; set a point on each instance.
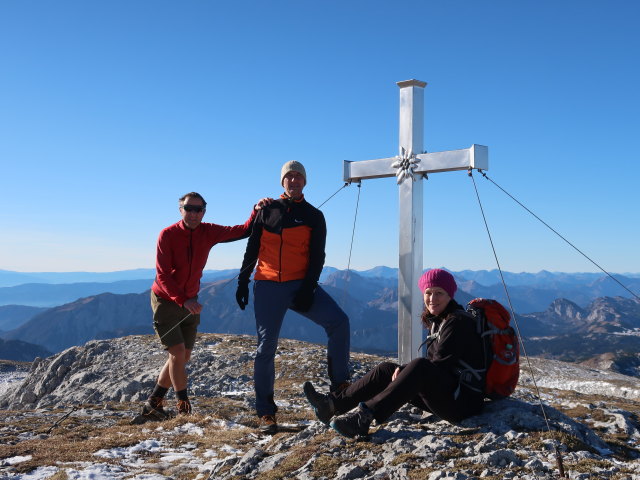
(605, 331)
(529, 292)
(50, 295)
(10, 278)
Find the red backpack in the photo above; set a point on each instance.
(502, 359)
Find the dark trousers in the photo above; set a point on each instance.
(420, 383)
(271, 302)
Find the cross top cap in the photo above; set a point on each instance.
(412, 83)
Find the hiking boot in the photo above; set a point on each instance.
(268, 424)
(355, 423)
(322, 404)
(153, 409)
(184, 407)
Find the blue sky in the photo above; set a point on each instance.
(110, 110)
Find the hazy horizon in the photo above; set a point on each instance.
(326, 266)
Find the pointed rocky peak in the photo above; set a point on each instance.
(380, 271)
(614, 314)
(564, 308)
(387, 300)
(619, 303)
(339, 277)
(468, 285)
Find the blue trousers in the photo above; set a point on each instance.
(271, 302)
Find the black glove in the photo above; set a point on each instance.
(303, 299)
(242, 294)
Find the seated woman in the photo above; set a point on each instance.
(429, 383)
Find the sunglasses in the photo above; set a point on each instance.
(193, 208)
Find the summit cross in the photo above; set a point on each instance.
(410, 166)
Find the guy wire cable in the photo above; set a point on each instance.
(558, 234)
(353, 233)
(346, 184)
(515, 321)
(176, 325)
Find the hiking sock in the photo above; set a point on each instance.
(182, 395)
(159, 391)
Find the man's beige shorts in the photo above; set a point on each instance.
(170, 323)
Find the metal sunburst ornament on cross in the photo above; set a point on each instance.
(405, 165)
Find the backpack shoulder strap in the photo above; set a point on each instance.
(472, 378)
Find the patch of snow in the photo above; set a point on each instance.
(590, 387)
(226, 424)
(629, 333)
(95, 471)
(40, 473)
(189, 428)
(148, 476)
(10, 380)
(151, 445)
(235, 393)
(229, 449)
(15, 460)
(176, 456)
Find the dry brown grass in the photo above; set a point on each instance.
(538, 441)
(326, 465)
(77, 438)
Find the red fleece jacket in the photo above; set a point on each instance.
(182, 255)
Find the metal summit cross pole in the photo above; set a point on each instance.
(410, 166)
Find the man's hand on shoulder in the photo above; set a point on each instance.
(263, 202)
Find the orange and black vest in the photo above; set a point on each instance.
(287, 243)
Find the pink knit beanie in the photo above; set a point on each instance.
(438, 278)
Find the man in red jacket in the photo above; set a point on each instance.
(182, 253)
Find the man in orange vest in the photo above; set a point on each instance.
(287, 243)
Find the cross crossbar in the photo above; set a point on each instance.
(475, 157)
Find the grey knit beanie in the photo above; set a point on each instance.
(292, 166)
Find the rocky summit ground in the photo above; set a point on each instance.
(69, 418)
